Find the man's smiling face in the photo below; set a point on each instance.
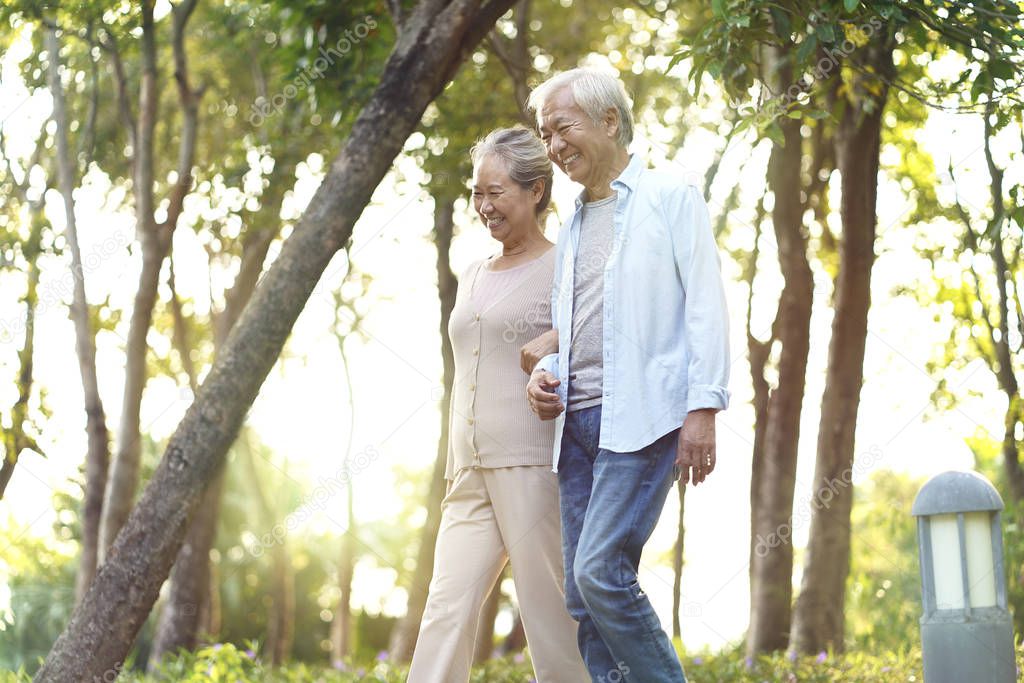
(584, 150)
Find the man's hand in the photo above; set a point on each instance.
(540, 392)
(536, 349)
(695, 453)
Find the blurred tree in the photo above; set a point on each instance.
(348, 320)
(154, 235)
(855, 42)
(68, 170)
(24, 235)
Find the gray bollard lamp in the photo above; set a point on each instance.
(966, 630)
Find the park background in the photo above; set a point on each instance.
(314, 550)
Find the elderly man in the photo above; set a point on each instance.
(641, 367)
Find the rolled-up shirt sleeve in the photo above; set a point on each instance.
(706, 318)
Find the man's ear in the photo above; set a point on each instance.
(612, 122)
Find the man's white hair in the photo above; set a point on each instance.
(594, 92)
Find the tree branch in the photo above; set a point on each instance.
(108, 43)
(189, 100)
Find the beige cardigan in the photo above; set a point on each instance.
(495, 313)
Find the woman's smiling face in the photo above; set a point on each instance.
(507, 209)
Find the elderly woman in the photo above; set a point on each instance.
(502, 502)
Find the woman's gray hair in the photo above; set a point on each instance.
(524, 155)
(595, 93)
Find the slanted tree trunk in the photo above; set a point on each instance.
(432, 43)
(155, 242)
(818, 621)
(98, 448)
(403, 639)
(777, 409)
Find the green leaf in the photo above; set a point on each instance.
(780, 20)
(774, 132)
(718, 7)
(980, 85)
(827, 33)
(1001, 69)
(806, 48)
(850, 5)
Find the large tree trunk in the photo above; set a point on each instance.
(97, 453)
(433, 42)
(403, 639)
(818, 622)
(774, 463)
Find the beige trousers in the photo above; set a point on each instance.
(489, 517)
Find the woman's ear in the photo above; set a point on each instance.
(537, 190)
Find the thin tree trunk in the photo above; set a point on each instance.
(818, 621)
(98, 448)
(341, 627)
(677, 565)
(516, 638)
(155, 241)
(403, 639)
(432, 44)
(342, 644)
(774, 475)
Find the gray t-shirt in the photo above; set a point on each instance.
(585, 362)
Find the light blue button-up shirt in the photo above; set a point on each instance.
(666, 329)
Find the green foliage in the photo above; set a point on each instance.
(228, 663)
(40, 577)
(883, 607)
(822, 38)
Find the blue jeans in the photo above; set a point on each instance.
(610, 503)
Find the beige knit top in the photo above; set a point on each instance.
(495, 313)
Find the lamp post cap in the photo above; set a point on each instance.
(952, 492)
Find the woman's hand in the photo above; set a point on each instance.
(537, 348)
